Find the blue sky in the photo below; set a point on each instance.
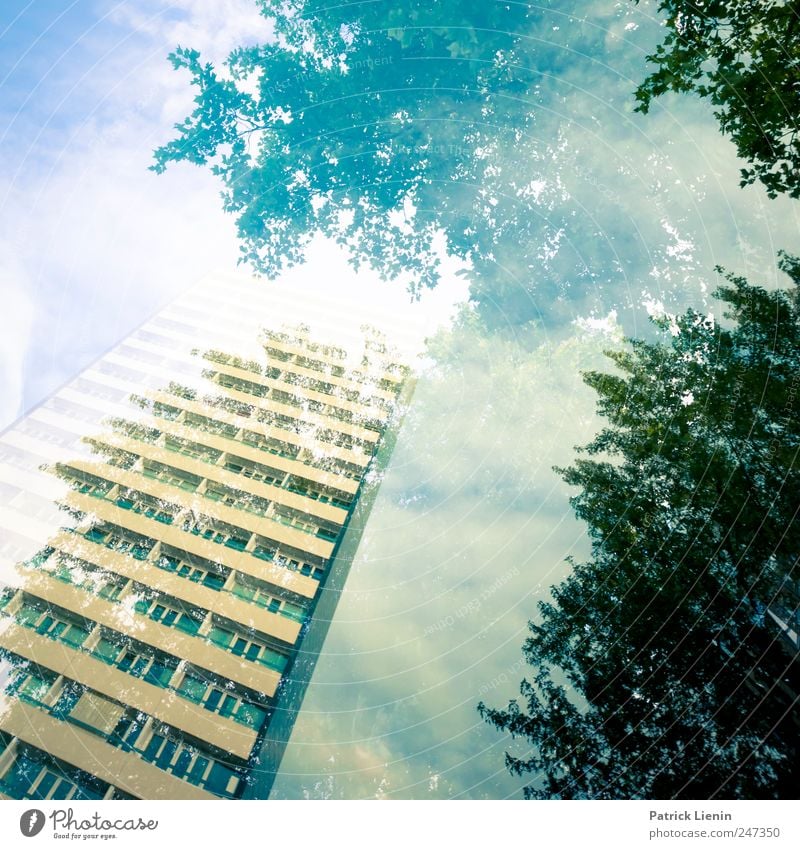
(91, 241)
(76, 133)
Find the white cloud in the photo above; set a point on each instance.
(103, 241)
(214, 27)
(605, 326)
(470, 528)
(100, 241)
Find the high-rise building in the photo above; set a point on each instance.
(159, 626)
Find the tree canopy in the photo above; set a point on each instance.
(659, 671)
(744, 56)
(407, 132)
(370, 124)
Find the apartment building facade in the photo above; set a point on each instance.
(177, 526)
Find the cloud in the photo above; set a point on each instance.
(101, 241)
(211, 26)
(470, 529)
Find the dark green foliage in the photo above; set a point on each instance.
(744, 56)
(678, 683)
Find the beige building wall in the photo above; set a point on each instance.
(168, 523)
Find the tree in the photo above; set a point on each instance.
(744, 56)
(659, 671)
(404, 131)
(370, 124)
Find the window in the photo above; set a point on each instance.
(182, 763)
(172, 617)
(49, 625)
(21, 777)
(188, 624)
(166, 411)
(36, 775)
(75, 635)
(181, 759)
(193, 688)
(159, 674)
(264, 598)
(167, 563)
(31, 686)
(106, 650)
(98, 490)
(247, 648)
(201, 575)
(213, 699)
(117, 539)
(148, 506)
(128, 730)
(218, 699)
(222, 781)
(227, 705)
(52, 786)
(220, 637)
(211, 580)
(209, 426)
(153, 747)
(170, 476)
(198, 770)
(112, 589)
(133, 663)
(156, 669)
(251, 715)
(293, 611)
(244, 592)
(216, 532)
